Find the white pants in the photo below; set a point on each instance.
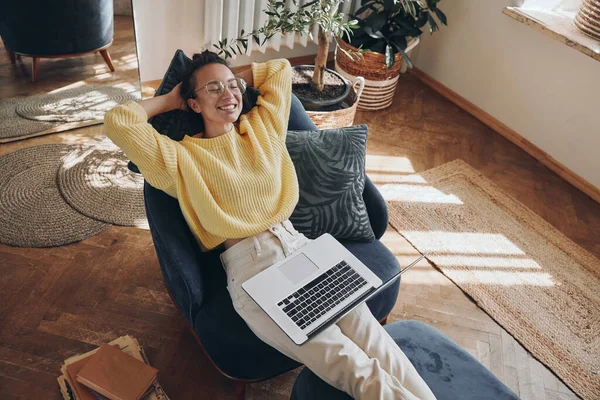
(355, 355)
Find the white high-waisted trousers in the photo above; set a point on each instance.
(355, 354)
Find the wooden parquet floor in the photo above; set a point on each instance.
(58, 302)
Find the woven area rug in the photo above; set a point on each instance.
(95, 181)
(13, 125)
(32, 211)
(535, 282)
(83, 103)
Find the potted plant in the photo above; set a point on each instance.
(318, 88)
(387, 30)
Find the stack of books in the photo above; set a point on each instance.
(118, 370)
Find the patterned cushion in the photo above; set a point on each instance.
(330, 165)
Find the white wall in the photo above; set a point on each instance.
(162, 27)
(539, 87)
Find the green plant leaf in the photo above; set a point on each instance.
(398, 40)
(406, 58)
(376, 21)
(432, 24)
(376, 45)
(441, 16)
(422, 20)
(368, 5)
(374, 35)
(389, 56)
(404, 55)
(310, 4)
(389, 4)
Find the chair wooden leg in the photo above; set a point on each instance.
(35, 69)
(383, 320)
(107, 59)
(240, 390)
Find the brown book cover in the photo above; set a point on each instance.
(81, 392)
(116, 375)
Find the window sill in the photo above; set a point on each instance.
(558, 26)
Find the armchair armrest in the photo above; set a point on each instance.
(177, 250)
(376, 208)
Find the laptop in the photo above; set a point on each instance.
(314, 287)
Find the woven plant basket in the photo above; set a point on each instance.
(587, 19)
(380, 81)
(343, 117)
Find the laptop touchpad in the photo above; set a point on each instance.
(298, 268)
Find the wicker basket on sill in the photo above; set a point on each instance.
(587, 19)
(343, 117)
(380, 81)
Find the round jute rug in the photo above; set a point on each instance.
(94, 180)
(72, 105)
(13, 125)
(32, 211)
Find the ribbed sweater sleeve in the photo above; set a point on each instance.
(154, 154)
(274, 81)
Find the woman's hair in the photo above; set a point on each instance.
(199, 60)
(207, 57)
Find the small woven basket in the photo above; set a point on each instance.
(587, 19)
(380, 81)
(343, 117)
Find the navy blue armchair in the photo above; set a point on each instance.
(197, 284)
(56, 29)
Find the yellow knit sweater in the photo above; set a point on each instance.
(231, 186)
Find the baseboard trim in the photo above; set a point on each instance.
(537, 153)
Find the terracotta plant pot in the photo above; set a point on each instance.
(380, 81)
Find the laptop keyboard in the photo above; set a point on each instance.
(321, 294)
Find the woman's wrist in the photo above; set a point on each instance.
(158, 105)
(172, 101)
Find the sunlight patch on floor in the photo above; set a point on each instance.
(129, 58)
(423, 276)
(488, 262)
(103, 76)
(71, 86)
(398, 165)
(503, 278)
(415, 193)
(463, 243)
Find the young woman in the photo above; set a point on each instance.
(237, 186)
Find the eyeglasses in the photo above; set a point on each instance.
(217, 88)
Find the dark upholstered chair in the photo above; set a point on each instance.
(450, 371)
(197, 284)
(56, 29)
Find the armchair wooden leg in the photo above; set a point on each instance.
(35, 69)
(107, 59)
(240, 390)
